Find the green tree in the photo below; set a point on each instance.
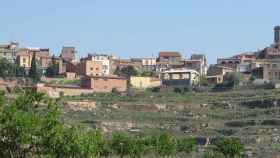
(232, 79)
(33, 72)
(213, 154)
(129, 71)
(163, 145)
(185, 144)
(9, 70)
(53, 69)
(120, 144)
(148, 74)
(137, 147)
(117, 71)
(230, 147)
(20, 71)
(203, 81)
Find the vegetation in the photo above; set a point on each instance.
(203, 81)
(231, 81)
(33, 72)
(53, 69)
(230, 148)
(30, 127)
(126, 71)
(149, 74)
(9, 70)
(63, 81)
(182, 90)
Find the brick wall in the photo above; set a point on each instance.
(104, 84)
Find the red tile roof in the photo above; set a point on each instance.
(169, 54)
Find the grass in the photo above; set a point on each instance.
(63, 81)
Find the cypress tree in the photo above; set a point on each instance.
(33, 72)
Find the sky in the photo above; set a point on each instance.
(141, 28)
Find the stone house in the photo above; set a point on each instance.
(216, 73)
(88, 67)
(180, 78)
(68, 53)
(104, 83)
(8, 51)
(145, 64)
(24, 58)
(271, 69)
(104, 59)
(170, 57)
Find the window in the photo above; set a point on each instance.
(91, 68)
(24, 60)
(274, 65)
(97, 69)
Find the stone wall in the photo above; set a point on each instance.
(144, 82)
(104, 84)
(56, 91)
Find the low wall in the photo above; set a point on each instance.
(56, 91)
(144, 82)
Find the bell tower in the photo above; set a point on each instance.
(277, 35)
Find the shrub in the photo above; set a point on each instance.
(115, 91)
(156, 89)
(185, 144)
(213, 154)
(230, 147)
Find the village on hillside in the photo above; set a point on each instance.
(166, 106)
(99, 72)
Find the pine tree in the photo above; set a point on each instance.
(33, 72)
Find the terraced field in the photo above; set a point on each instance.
(249, 114)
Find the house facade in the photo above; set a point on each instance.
(104, 59)
(170, 57)
(180, 78)
(24, 58)
(104, 84)
(68, 53)
(8, 51)
(89, 68)
(216, 73)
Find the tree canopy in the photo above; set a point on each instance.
(30, 126)
(33, 72)
(126, 71)
(53, 69)
(8, 69)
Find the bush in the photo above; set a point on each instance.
(182, 90)
(230, 147)
(178, 90)
(185, 145)
(163, 144)
(213, 154)
(115, 91)
(156, 89)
